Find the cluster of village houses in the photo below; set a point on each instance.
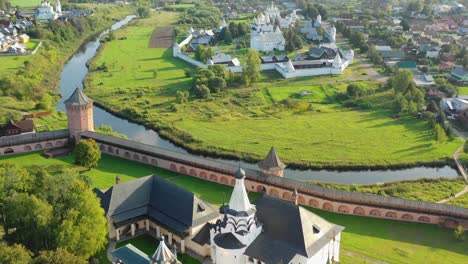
(266, 36)
(13, 40)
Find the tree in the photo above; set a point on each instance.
(46, 102)
(402, 80)
(87, 153)
(216, 84)
(400, 104)
(84, 226)
(111, 35)
(15, 254)
(439, 134)
(24, 213)
(252, 67)
(58, 256)
(200, 53)
(459, 233)
(227, 36)
(202, 91)
(405, 25)
(182, 96)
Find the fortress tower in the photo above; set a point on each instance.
(79, 113)
(272, 164)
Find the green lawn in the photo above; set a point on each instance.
(27, 4)
(32, 44)
(463, 90)
(384, 240)
(460, 201)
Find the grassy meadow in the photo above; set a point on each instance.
(429, 190)
(309, 131)
(27, 4)
(365, 240)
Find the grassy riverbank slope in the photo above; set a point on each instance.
(365, 240)
(140, 83)
(25, 80)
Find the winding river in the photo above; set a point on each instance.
(75, 71)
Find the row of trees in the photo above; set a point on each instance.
(201, 16)
(356, 38)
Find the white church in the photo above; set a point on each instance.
(271, 231)
(46, 11)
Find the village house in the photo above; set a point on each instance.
(224, 59)
(453, 105)
(422, 80)
(430, 51)
(459, 75)
(12, 128)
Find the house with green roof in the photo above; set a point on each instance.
(406, 65)
(459, 75)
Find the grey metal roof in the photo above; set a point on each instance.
(287, 231)
(129, 254)
(158, 199)
(78, 98)
(33, 137)
(272, 161)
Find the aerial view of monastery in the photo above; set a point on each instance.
(233, 132)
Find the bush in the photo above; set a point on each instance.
(459, 233)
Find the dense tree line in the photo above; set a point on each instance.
(51, 215)
(208, 81)
(312, 10)
(201, 16)
(293, 39)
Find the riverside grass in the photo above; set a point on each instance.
(244, 123)
(363, 239)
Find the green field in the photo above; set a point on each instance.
(460, 201)
(27, 4)
(364, 239)
(463, 90)
(141, 83)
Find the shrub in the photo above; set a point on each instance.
(459, 233)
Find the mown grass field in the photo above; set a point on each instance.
(141, 84)
(463, 90)
(363, 239)
(28, 4)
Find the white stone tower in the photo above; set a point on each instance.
(332, 34)
(58, 7)
(236, 228)
(79, 113)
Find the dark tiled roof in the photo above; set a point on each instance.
(392, 54)
(33, 137)
(203, 236)
(156, 198)
(78, 98)
(228, 241)
(272, 161)
(288, 229)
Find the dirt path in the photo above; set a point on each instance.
(462, 171)
(162, 37)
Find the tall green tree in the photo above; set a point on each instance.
(15, 254)
(252, 67)
(87, 153)
(25, 213)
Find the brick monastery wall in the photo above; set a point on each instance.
(343, 202)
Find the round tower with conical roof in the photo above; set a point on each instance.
(79, 113)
